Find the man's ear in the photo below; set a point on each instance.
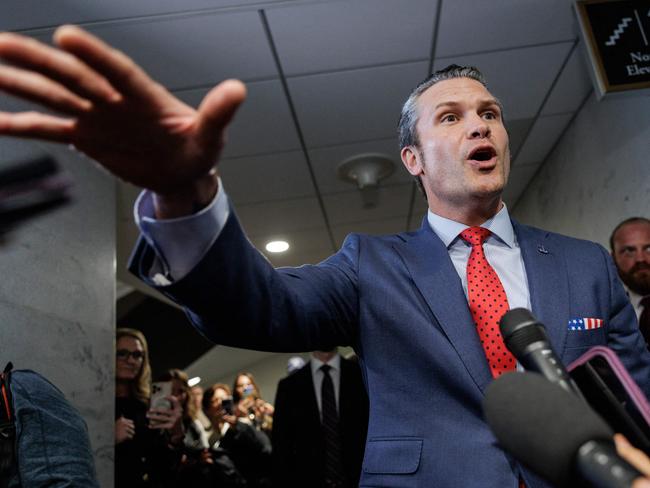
(412, 160)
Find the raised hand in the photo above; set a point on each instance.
(111, 110)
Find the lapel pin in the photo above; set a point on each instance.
(542, 249)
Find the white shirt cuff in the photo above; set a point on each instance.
(180, 243)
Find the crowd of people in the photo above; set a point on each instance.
(213, 437)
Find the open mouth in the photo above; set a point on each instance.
(482, 154)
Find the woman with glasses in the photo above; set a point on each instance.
(146, 440)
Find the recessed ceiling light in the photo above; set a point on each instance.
(277, 246)
(194, 381)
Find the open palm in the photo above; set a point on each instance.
(108, 108)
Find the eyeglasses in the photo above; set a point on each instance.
(125, 353)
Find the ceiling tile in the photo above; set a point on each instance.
(351, 34)
(518, 180)
(18, 14)
(309, 246)
(363, 104)
(277, 176)
(300, 241)
(520, 78)
(262, 124)
(278, 218)
(195, 50)
(326, 160)
(469, 26)
(572, 87)
(344, 208)
(546, 131)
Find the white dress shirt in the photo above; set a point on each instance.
(635, 300)
(318, 375)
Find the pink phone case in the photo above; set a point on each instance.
(630, 386)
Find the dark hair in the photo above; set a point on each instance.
(209, 393)
(408, 135)
(631, 220)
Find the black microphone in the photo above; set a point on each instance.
(526, 339)
(554, 433)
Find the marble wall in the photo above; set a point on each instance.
(57, 294)
(598, 175)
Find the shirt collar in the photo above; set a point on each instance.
(635, 298)
(447, 230)
(334, 363)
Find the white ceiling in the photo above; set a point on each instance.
(335, 88)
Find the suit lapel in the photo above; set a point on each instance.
(548, 283)
(428, 262)
(308, 395)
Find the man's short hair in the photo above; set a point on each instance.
(631, 220)
(408, 135)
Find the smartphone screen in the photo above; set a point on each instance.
(228, 406)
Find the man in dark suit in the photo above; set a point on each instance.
(421, 308)
(300, 446)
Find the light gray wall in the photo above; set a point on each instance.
(57, 295)
(597, 175)
(267, 372)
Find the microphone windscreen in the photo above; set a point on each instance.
(541, 424)
(519, 329)
(514, 318)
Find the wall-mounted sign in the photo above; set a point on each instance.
(616, 34)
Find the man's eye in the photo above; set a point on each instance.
(490, 115)
(449, 118)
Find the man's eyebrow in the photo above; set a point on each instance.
(492, 101)
(446, 104)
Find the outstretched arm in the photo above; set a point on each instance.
(110, 109)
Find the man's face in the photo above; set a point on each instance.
(632, 256)
(464, 155)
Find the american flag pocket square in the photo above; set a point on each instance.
(585, 324)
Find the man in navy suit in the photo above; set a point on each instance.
(401, 301)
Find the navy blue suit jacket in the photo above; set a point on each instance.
(399, 302)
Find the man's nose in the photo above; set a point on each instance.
(478, 129)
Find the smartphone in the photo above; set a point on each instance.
(160, 390)
(248, 391)
(228, 405)
(610, 391)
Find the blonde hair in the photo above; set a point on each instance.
(141, 386)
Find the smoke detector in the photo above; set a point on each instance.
(366, 171)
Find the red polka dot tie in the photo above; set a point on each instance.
(487, 302)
